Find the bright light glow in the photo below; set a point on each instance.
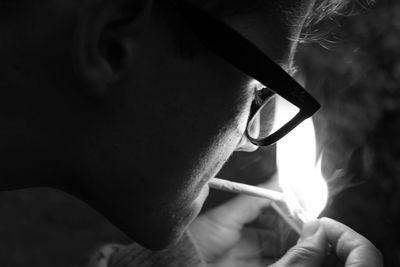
(300, 177)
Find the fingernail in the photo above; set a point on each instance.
(309, 229)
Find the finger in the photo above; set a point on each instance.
(238, 211)
(309, 251)
(351, 247)
(223, 225)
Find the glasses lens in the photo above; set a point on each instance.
(271, 116)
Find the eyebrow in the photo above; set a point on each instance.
(236, 7)
(291, 9)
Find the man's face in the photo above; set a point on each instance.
(173, 115)
(183, 111)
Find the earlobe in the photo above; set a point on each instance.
(102, 39)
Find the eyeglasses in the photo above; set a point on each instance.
(241, 53)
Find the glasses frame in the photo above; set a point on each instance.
(241, 53)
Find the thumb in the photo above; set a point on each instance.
(310, 249)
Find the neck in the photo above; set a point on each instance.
(28, 156)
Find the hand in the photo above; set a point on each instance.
(224, 241)
(352, 248)
(222, 238)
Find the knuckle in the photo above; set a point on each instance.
(304, 253)
(298, 256)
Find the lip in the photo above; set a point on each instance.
(196, 205)
(203, 194)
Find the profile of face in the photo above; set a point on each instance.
(119, 103)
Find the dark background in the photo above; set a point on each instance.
(356, 77)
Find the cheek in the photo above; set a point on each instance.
(171, 122)
(188, 109)
(224, 131)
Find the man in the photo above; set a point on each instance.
(127, 105)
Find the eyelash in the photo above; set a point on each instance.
(269, 94)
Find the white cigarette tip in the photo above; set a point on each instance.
(240, 188)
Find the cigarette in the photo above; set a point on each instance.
(250, 190)
(278, 204)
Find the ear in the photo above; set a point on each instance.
(103, 41)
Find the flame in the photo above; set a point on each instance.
(299, 173)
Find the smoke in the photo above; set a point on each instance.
(348, 115)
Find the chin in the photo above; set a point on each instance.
(169, 228)
(164, 230)
(161, 238)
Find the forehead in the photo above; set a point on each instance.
(227, 8)
(272, 25)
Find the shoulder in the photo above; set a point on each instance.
(183, 253)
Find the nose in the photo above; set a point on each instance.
(245, 145)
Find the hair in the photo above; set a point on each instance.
(322, 22)
(322, 8)
(325, 9)
(314, 28)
